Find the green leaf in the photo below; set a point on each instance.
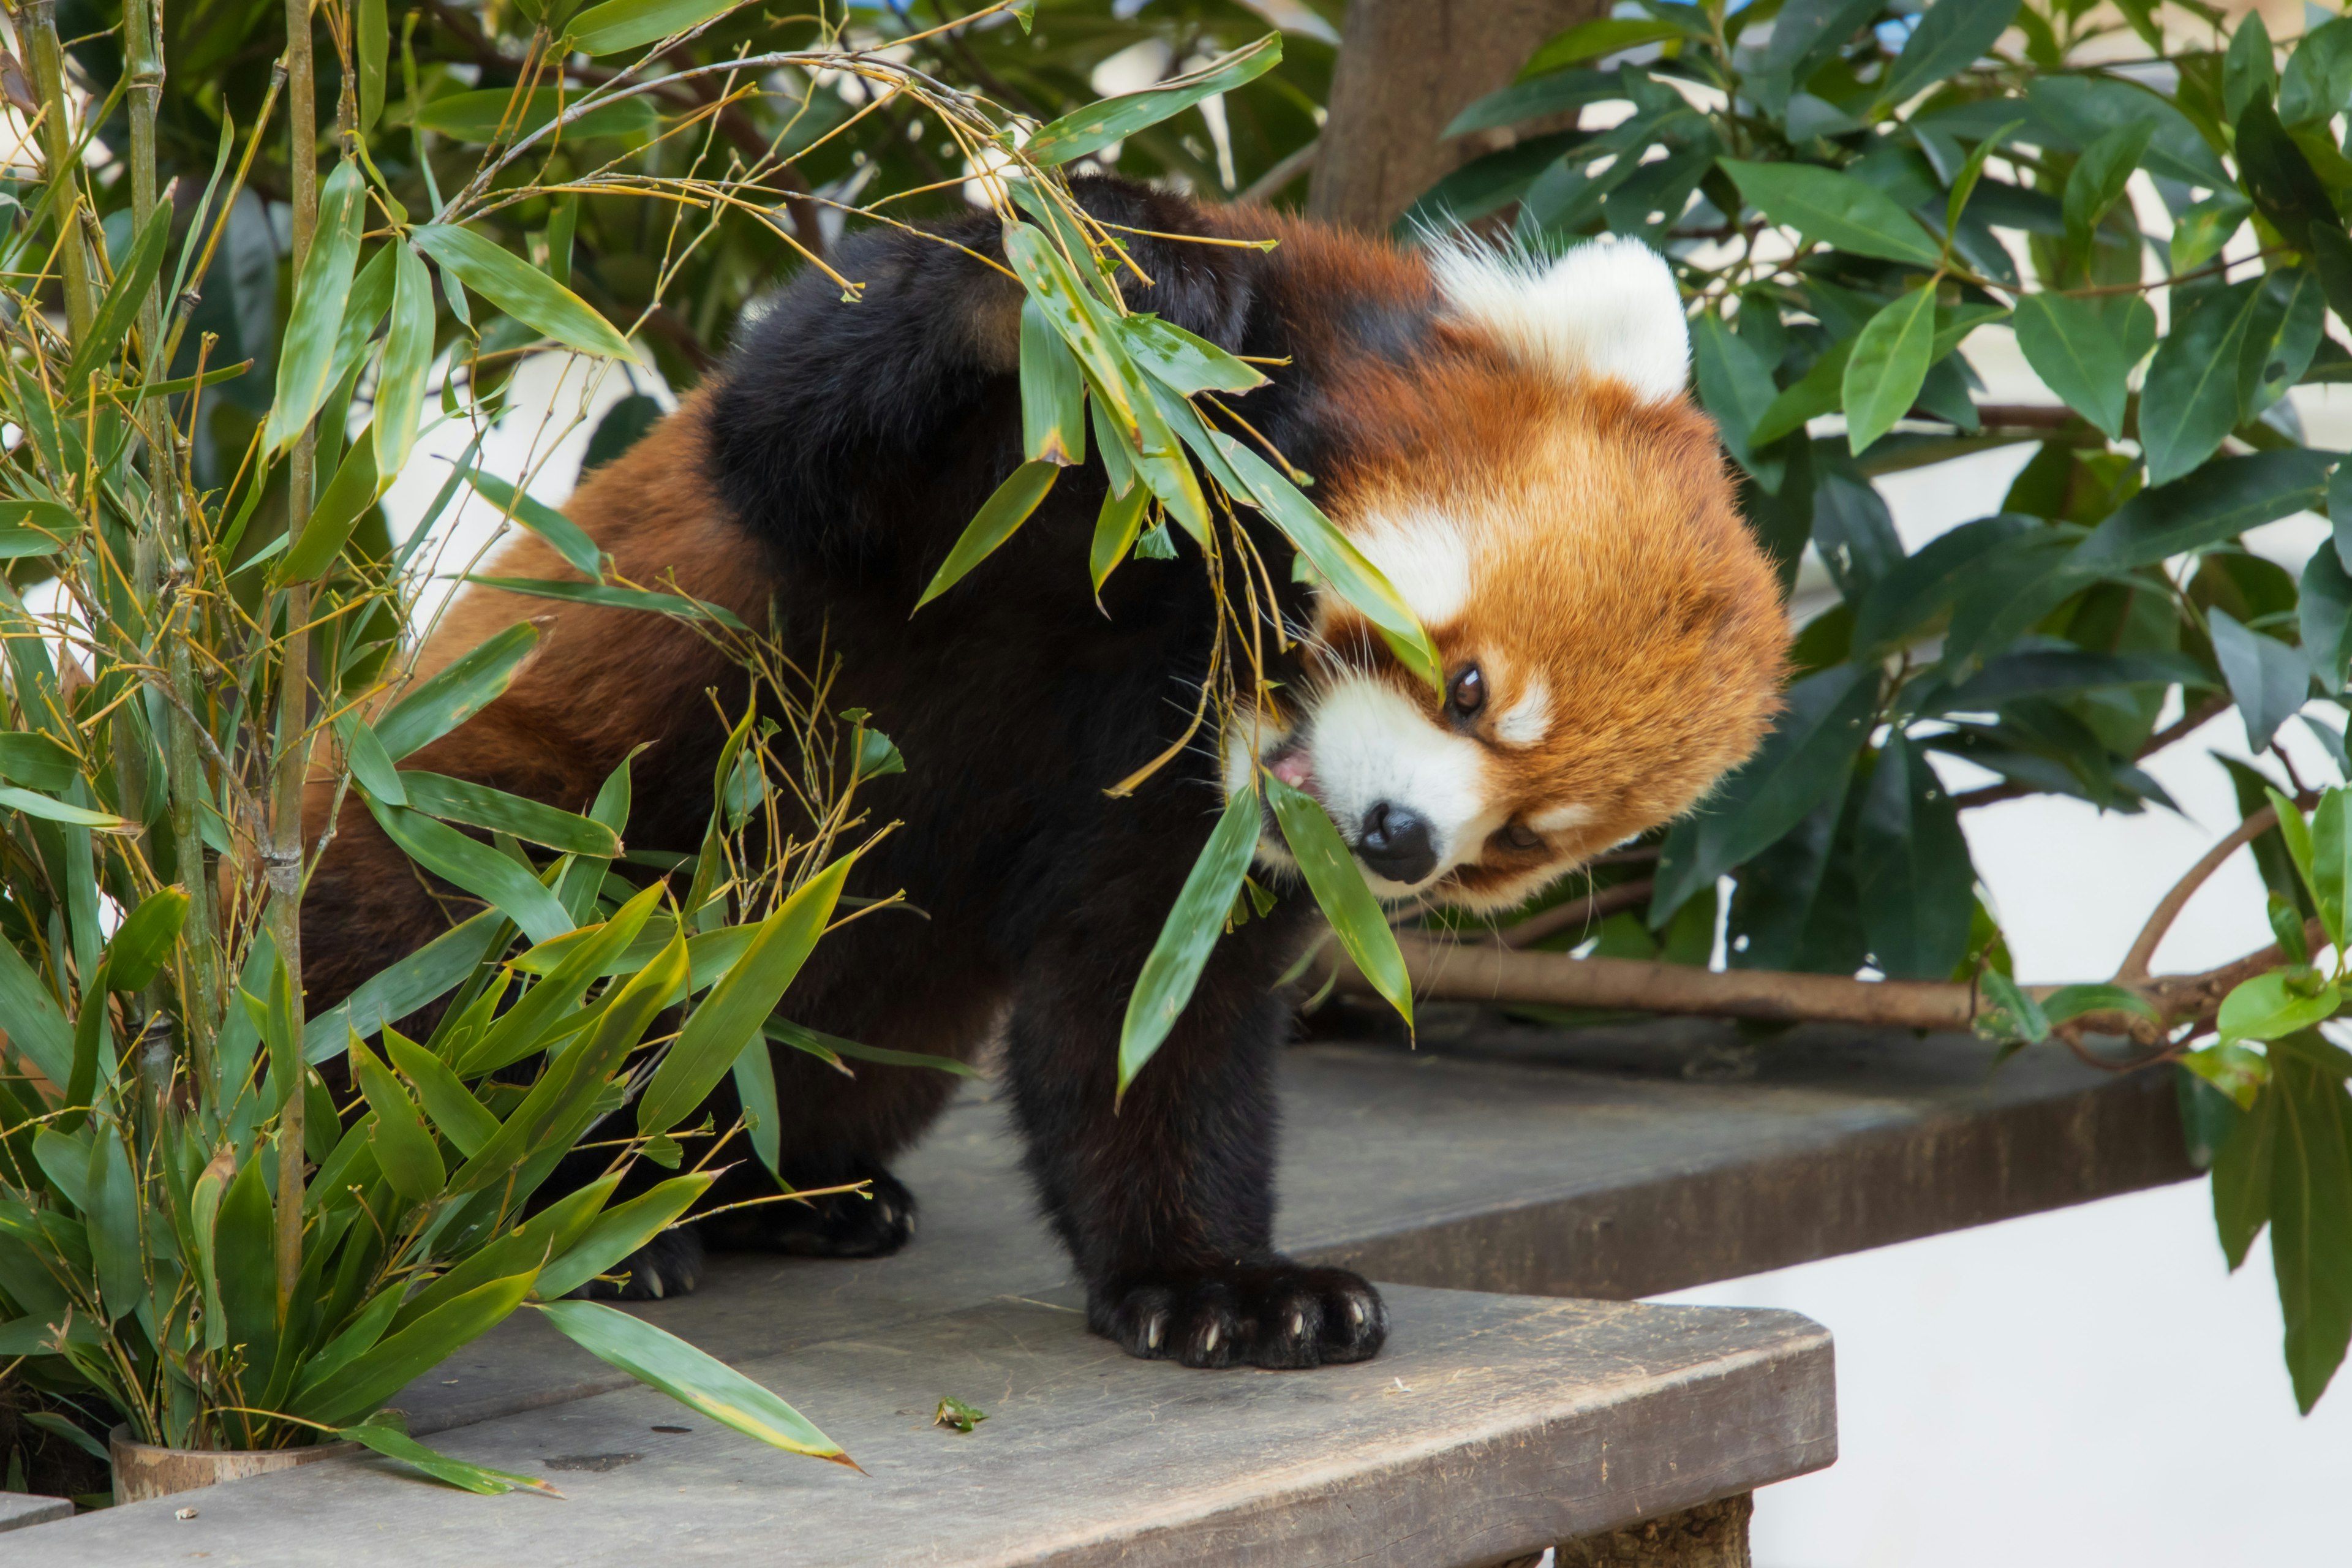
(474, 866)
(2015, 1015)
(456, 693)
(521, 290)
(463, 1120)
(1887, 367)
(1004, 510)
(121, 307)
(1116, 526)
(2285, 331)
(372, 766)
(1189, 933)
(1823, 721)
(1916, 880)
(404, 1149)
(394, 1444)
(307, 354)
(1342, 567)
(2234, 1071)
(2246, 70)
(39, 762)
(2268, 680)
(590, 954)
(1338, 884)
(619, 1231)
(2317, 83)
(1182, 363)
(478, 805)
(35, 528)
(142, 942)
(728, 1021)
(1591, 40)
(755, 1086)
(2225, 497)
(618, 25)
(2190, 400)
(813, 1041)
(2071, 1002)
(2083, 351)
(402, 986)
(364, 1383)
(2267, 1006)
(476, 117)
(568, 538)
(374, 45)
(2242, 1179)
(347, 498)
(112, 1212)
(695, 1380)
(2298, 837)
(1053, 394)
(1097, 126)
(2200, 233)
(1835, 209)
(611, 598)
(1734, 384)
(408, 357)
(2098, 181)
(2328, 862)
(1953, 35)
(47, 810)
(2311, 1219)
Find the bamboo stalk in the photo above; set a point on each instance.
(47, 58)
(291, 765)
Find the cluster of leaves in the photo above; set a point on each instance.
(1848, 192)
(199, 1227)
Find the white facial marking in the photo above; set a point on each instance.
(1373, 743)
(1425, 557)
(1606, 307)
(1559, 818)
(1524, 722)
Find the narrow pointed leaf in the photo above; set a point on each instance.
(1331, 873)
(408, 359)
(998, 517)
(320, 294)
(476, 868)
(619, 1231)
(1888, 366)
(568, 538)
(1189, 933)
(521, 290)
(478, 805)
(1097, 125)
(456, 693)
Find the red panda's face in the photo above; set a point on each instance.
(1559, 515)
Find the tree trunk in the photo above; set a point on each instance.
(1406, 68)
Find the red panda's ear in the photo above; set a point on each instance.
(1609, 308)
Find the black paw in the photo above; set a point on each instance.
(845, 1224)
(1275, 1313)
(669, 1265)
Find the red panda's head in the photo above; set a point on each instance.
(1537, 487)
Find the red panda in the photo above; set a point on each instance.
(1506, 437)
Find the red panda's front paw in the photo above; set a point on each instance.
(1272, 1313)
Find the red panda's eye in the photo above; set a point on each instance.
(1468, 692)
(1522, 837)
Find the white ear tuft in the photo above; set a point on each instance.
(1607, 308)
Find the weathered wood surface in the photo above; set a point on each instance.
(1492, 1426)
(17, 1511)
(1621, 1162)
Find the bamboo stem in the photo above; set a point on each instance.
(292, 763)
(47, 62)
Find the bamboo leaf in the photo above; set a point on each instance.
(404, 1149)
(1097, 126)
(1053, 394)
(121, 307)
(999, 516)
(456, 693)
(37, 1026)
(348, 497)
(524, 1027)
(664, 1362)
(394, 1444)
(1182, 363)
(374, 45)
(1120, 519)
(478, 805)
(1356, 916)
(408, 357)
(619, 1231)
(320, 293)
(479, 116)
(364, 1383)
(814, 1041)
(110, 1211)
(1189, 933)
(521, 290)
(402, 986)
(728, 1022)
(465, 1121)
(474, 866)
(371, 765)
(142, 942)
(618, 25)
(243, 1243)
(568, 538)
(614, 598)
(47, 810)
(755, 1086)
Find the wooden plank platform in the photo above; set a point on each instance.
(1604, 1162)
(1492, 1427)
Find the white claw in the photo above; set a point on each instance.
(1356, 1312)
(1209, 1342)
(653, 1282)
(1151, 1336)
(1297, 1324)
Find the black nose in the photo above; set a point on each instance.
(1395, 844)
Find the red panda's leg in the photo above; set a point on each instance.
(1167, 1201)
